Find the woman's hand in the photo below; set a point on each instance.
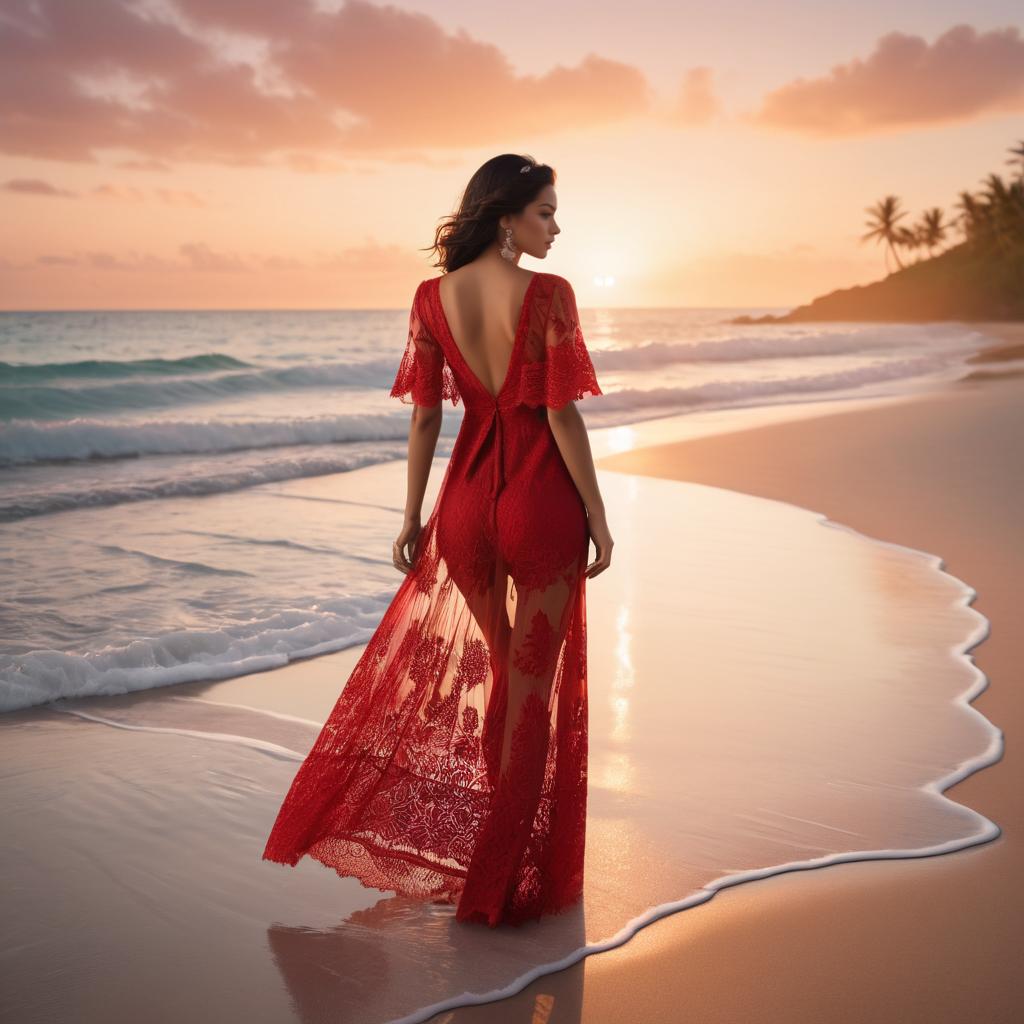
(602, 538)
(406, 539)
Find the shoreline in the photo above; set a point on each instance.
(933, 938)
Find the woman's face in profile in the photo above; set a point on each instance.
(535, 228)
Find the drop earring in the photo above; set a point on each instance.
(508, 250)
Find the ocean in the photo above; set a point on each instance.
(148, 459)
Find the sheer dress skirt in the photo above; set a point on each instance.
(453, 766)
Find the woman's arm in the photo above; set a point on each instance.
(570, 434)
(424, 428)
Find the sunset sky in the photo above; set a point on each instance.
(195, 154)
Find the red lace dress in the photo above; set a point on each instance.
(454, 765)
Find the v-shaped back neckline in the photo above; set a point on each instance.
(520, 323)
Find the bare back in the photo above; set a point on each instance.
(483, 315)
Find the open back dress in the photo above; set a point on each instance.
(453, 766)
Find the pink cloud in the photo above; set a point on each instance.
(904, 83)
(410, 82)
(36, 187)
(193, 256)
(145, 165)
(368, 259)
(77, 78)
(129, 193)
(199, 256)
(251, 17)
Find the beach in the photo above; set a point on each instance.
(314, 401)
(933, 937)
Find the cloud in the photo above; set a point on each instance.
(98, 260)
(906, 83)
(365, 80)
(193, 256)
(145, 165)
(368, 258)
(252, 17)
(409, 81)
(126, 193)
(199, 256)
(36, 187)
(129, 193)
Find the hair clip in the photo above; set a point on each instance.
(524, 168)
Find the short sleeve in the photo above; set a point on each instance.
(423, 376)
(418, 381)
(558, 368)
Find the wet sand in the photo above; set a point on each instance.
(934, 939)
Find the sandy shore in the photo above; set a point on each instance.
(934, 939)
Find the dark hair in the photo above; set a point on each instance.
(498, 187)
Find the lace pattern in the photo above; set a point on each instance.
(424, 376)
(556, 366)
(453, 765)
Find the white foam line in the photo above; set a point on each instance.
(273, 749)
(280, 715)
(987, 830)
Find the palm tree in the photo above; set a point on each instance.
(1018, 158)
(930, 229)
(909, 238)
(885, 214)
(996, 190)
(972, 215)
(1015, 209)
(1000, 205)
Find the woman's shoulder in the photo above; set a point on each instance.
(554, 279)
(555, 284)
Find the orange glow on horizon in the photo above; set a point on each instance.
(179, 165)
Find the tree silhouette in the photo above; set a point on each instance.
(1002, 219)
(971, 215)
(1018, 158)
(930, 229)
(992, 219)
(908, 238)
(885, 213)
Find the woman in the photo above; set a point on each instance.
(454, 764)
